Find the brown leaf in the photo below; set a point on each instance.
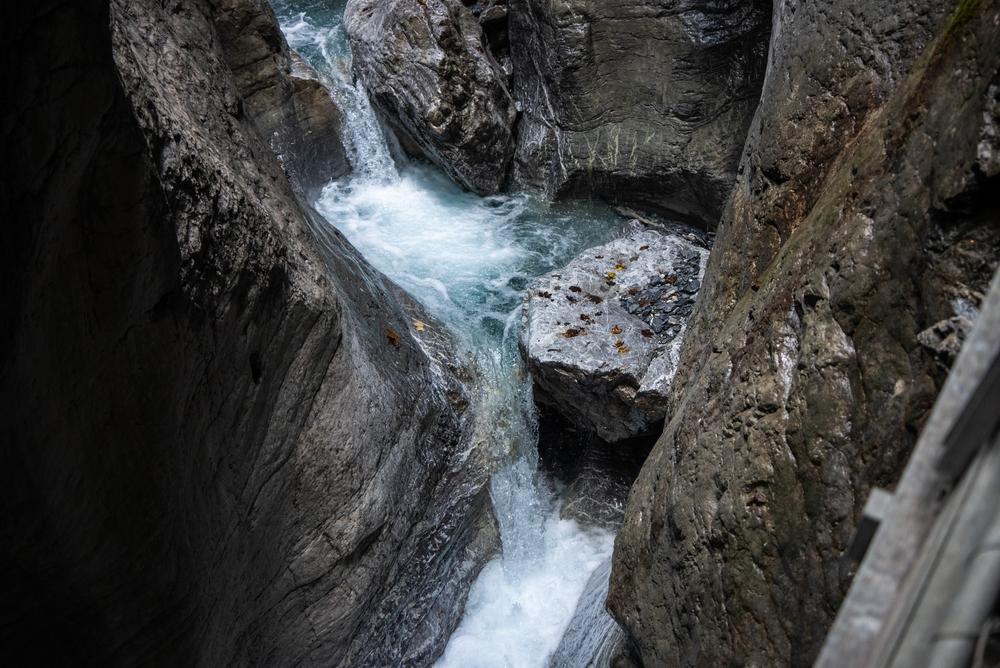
(574, 288)
(545, 295)
(643, 247)
(419, 325)
(634, 258)
(622, 348)
(393, 337)
(572, 331)
(671, 279)
(616, 330)
(647, 333)
(585, 317)
(633, 290)
(595, 298)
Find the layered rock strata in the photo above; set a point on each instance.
(428, 70)
(637, 101)
(224, 443)
(865, 214)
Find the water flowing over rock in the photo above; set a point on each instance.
(602, 335)
(225, 443)
(637, 101)
(427, 68)
(291, 109)
(865, 213)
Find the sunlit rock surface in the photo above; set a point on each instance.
(602, 335)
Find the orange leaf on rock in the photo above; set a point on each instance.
(393, 337)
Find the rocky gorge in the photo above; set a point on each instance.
(325, 346)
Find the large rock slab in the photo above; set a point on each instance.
(602, 335)
(865, 213)
(637, 101)
(427, 68)
(224, 443)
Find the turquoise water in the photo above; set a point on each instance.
(468, 259)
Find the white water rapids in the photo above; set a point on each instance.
(468, 260)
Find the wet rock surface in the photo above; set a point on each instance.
(290, 107)
(602, 335)
(637, 101)
(427, 68)
(225, 442)
(866, 214)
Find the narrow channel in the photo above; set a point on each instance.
(468, 259)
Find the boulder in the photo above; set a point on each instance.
(865, 213)
(602, 335)
(428, 70)
(637, 101)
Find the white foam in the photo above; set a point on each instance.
(516, 617)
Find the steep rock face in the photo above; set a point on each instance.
(426, 67)
(291, 109)
(642, 102)
(602, 335)
(223, 444)
(803, 380)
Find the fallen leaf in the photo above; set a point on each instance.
(571, 300)
(574, 288)
(616, 330)
(572, 331)
(419, 325)
(647, 333)
(620, 267)
(393, 337)
(633, 290)
(634, 258)
(671, 279)
(622, 348)
(545, 295)
(643, 247)
(595, 298)
(611, 275)
(598, 257)
(585, 317)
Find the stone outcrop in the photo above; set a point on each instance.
(866, 212)
(637, 101)
(289, 106)
(427, 69)
(223, 442)
(602, 335)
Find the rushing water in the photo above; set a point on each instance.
(468, 259)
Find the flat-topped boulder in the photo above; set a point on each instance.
(602, 335)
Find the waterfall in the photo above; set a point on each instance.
(468, 259)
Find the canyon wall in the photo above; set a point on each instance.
(850, 259)
(427, 68)
(638, 102)
(223, 443)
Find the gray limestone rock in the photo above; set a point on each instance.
(603, 334)
(426, 67)
(866, 212)
(637, 101)
(224, 443)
